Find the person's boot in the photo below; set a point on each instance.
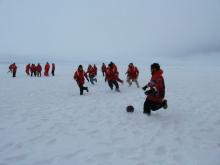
(165, 106)
(117, 90)
(87, 89)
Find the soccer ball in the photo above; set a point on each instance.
(130, 108)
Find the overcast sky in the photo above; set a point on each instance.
(108, 29)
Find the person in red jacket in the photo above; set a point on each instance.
(33, 70)
(53, 69)
(155, 95)
(103, 69)
(13, 69)
(38, 69)
(132, 74)
(115, 70)
(92, 73)
(46, 69)
(111, 76)
(27, 69)
(80, 76)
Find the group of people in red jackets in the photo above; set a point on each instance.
(35, 70)
(156, 86)
(154, 89)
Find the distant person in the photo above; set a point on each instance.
(53, 69)
(39, 70)
(155, 95)
(112, 76)
(91, 73)
(132, 74)
(46, 69)
(103, 69)
(80, 76)
(27, 69)
(33, 70)
(95, 69)
(13, 69)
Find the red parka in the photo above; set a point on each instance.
(27, 70)
(39, 68)
(47, 68)
(91, 71)
(132, 72)
(111, 73)
(79, 76)
(157, 83)
(13, 67)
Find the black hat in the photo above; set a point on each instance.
(155, 66)
(80, 66)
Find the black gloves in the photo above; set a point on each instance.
(145, 87)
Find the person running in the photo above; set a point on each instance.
(156, 93)
(80, 76)
(132, 74)
(112, 76)
(91, 73)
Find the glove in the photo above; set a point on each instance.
(145, 87)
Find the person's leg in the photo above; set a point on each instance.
(14, 74)
(129, 81)
(110, 84)
(136, 82)
(147, 107)
(91, 79)
(116, 86)
(86, 88)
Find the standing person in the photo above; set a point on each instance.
(155, 95)
(103, 69)
(53, 69)
(13, 69)
(27, 69)
(111, 76)
(39, 69)
(33, 70)
(132, 74)
(95, 69)
(92, 73)
(79, 77)
(46, 69)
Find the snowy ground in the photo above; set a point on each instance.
(44, 121)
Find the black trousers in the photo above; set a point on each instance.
(111, 83)
(151, 106)
(14, 74)
(82, 88)
(53, 72)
